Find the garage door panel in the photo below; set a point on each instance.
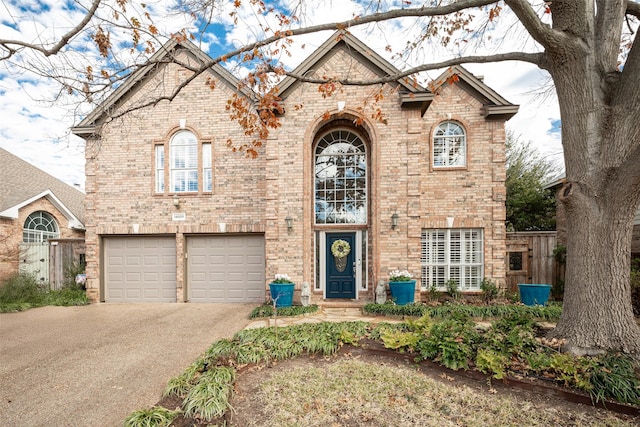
(140, 269)
(233, 271)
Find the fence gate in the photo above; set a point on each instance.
(34, 259)
(530, 258)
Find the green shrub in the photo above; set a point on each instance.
(492, 362)
(550, 312)
(450, 342)
(210, 396)
(70, 270)
(22, 292)
(613, 376)
(266, 310)
(153, 417)
(512, 335)
(22, 288)
(453, 289)
(489, 290)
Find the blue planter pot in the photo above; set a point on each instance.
(403, 292)
(282, 293)
(534, 294)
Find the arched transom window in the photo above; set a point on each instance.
(39, 227)
(449, 145)
(340, 179)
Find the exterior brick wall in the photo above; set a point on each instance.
(11, 232)
(256, 195)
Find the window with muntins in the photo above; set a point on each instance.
(340, 179)
(38, 227)
(449, 146)
(189, 165)
(452, 254)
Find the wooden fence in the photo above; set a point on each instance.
(530, 259)
(62, 254)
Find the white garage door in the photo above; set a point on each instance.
(226, 268)
(140, 269)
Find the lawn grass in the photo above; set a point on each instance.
(361, 393)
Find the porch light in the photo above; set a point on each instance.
(289, 221)
(176, 201)
(394, 221)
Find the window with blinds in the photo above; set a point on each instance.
(189, 165)
(452, 254)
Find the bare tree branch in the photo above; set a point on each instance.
(533, 58)
(633, 8)
(12, 46)
(541, 32)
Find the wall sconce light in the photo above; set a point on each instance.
(394, 221)
(176, 201)
(289, 221)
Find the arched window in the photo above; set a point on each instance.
(183, 154)
(449, 145)
(340, 179)
(187, 173)
(39, 227)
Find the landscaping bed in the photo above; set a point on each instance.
(212, 389)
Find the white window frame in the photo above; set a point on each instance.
(175, 161)
(333, 211)
(449, 146)
(452, 253)
(159, 168)
(183, 163)
(39, 227)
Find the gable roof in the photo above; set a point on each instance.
(163, 55)
(411, 96)
(21, 183)
(495, 106)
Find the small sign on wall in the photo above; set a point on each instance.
(179, 216)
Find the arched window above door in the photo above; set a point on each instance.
(340, 178)
(38, 227)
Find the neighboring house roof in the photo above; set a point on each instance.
(21, 183)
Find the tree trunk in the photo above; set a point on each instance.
(597, 313)
(600, 197)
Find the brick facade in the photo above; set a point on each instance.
(11, 232)
(256, 195)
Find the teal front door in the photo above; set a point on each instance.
(340, 270)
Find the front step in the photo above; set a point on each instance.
(340, 303)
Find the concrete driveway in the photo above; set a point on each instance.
(93, 365)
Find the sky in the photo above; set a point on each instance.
(35, 122)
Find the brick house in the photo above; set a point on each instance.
(36, 208)
(175, 215)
